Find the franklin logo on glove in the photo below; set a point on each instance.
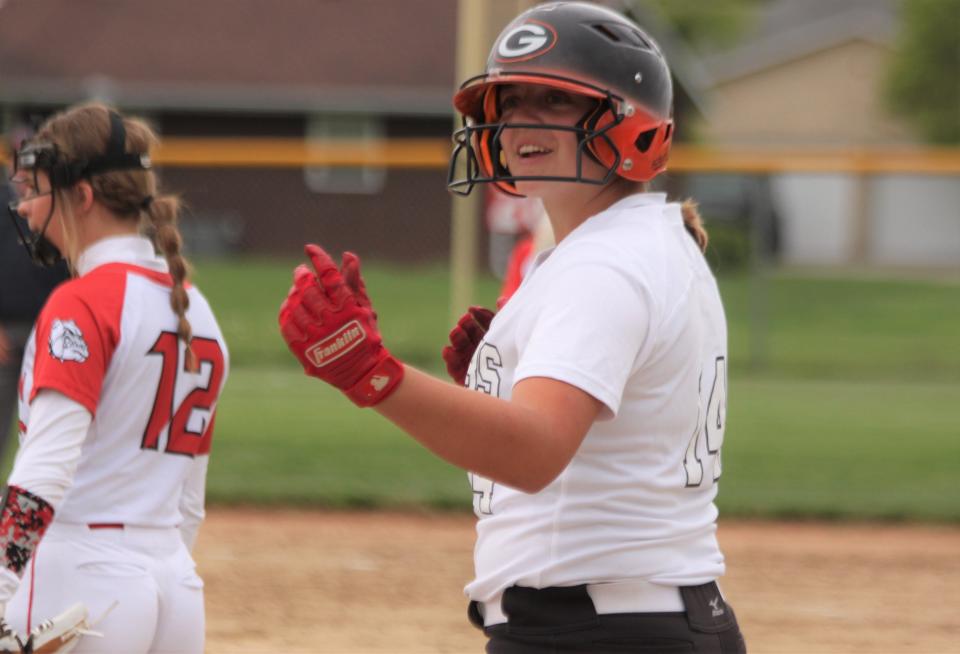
(330, 349)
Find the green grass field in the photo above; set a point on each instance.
(849, 415)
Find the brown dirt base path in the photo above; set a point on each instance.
(302, 581)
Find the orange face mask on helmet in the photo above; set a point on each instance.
(578, 48)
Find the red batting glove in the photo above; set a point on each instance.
(329, 325)
(464, 339)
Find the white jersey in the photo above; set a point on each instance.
(108, 341)
(626, 309)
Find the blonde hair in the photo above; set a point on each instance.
(82, 132)
(694, 223)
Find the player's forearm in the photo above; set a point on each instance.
(500, 440)
(192, 500)
(328, 322)
(47, 460)
(24, 518)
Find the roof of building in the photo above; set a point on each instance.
(785, 30)
(284, 56)
(289, 55)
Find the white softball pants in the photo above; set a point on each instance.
(147, 572)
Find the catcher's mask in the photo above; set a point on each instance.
(578, 48)
(36, 156)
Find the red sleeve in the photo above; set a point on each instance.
(514, 275)
(77, 334)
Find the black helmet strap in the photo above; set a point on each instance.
(115, 158)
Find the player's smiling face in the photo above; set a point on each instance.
(537, 151)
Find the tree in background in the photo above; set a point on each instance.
(717, 23)
(923, 84)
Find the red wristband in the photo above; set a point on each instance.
(375, 386)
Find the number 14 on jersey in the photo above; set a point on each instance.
(704, 460)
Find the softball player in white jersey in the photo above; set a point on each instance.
(593, 443)
(118, 392)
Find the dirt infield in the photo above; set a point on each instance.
(298, 581)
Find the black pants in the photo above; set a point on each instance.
(549, 620)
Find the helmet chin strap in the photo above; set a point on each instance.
(487, 138)
(478, 148)
(589, 122)
(39, 248)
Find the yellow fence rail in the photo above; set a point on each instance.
(435, 153)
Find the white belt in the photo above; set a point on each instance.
(141, 537)
(614, 597)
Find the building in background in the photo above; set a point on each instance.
(806, 74)
(809, 75)
(371, 70)
(367, 69)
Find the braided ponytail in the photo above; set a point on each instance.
(694, 223)
(162, 212)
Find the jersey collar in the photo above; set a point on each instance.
(629, 202)
(136, 249)
(636, 200)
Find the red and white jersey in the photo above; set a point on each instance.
(626, 309)
(108, 340)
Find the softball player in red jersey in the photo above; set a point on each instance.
(593, 444)
(118, 393)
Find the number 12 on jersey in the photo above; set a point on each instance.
(182, 439)
(709, 430)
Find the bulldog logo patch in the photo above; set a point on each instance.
(66, 342)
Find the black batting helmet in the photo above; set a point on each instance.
(580, 48)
